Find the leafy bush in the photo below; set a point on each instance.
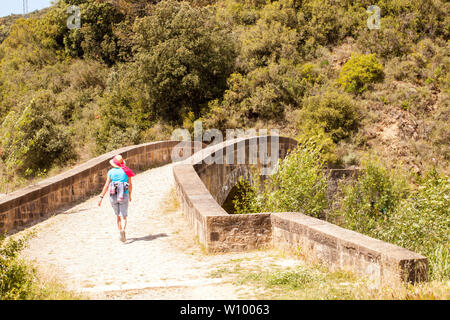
(386, 42)
(417, 18)
(360, 71)
(238, 12)
(23, 48)
(19, 280)
(33, 141)
(324, 142)
(427, 64)
(96, 38)
(121, 120)
(381, 205)
(298, 184)
(16, 278)
(404, 23)
(248, 198)
(268, 42)
(265, 93)
(422, 221)
(328, 118)
(336, 113)
(183, 58)
(372, 199)
(327, 21)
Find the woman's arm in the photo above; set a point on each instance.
(105, 188)
(130, 187)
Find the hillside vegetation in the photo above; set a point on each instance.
(137, 69)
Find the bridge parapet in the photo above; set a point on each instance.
(35, 203)
(202, 187)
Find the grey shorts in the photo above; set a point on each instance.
(120, 207)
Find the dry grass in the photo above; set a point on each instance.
(170, 203)
(48, 286)
(312, 281)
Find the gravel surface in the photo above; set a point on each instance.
(160, 259)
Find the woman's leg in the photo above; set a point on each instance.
(124, 211)
(124, 223)
(119, 223)
(116, 207)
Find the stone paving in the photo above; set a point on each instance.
(161, 258)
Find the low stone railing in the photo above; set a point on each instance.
(344, 249)
(202, 187)
(34, 203)
(201, 184)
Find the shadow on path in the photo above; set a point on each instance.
(150, 237)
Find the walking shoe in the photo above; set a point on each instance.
(122, 236)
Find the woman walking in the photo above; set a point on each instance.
(120, 187)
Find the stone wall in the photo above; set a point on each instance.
(216, 230)
(34, 203)
(344, 249)
(202, 186)
(219, 179)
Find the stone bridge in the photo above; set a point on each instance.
(203, 182)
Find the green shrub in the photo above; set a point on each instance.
(336, 113)
(381, 205)
(33, 140)
(183, 58)
(265, 94)
(16, 278)
(121, 120)
(366, 205)
(421, 223)
(96, 38)
(324, 141)
(19, 280)
(426, 65)
(328, 21)
(52, 27)
(298, 184)
(266, 43)
(360, 71)
(418, 18)
(248, 198)
(386, 42)
(237, 12)
(403, 23)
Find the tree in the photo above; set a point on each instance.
(32, 141)
(264, 94)
(183, 58)
(336, 113)
(96, 38)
